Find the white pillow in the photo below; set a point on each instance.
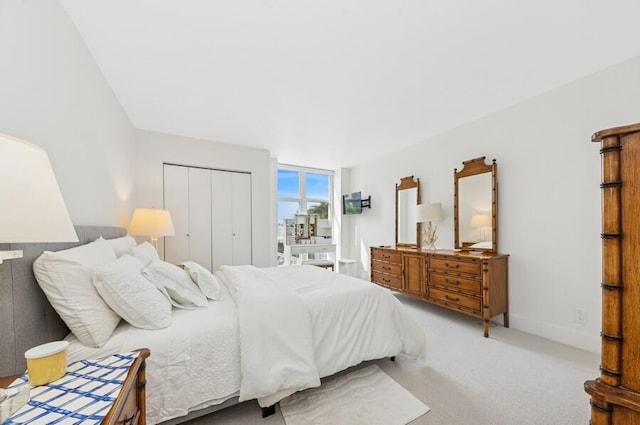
(207, 282)
(65, 278)
(89, 255)
(130, 295)
(122, 245)
(177, 284)
(145, 252)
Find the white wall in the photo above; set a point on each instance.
(154, 149)
(549, 196)
(53, 94)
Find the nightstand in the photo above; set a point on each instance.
(129, 407)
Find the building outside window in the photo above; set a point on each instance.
(302, 191)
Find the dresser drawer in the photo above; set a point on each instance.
(455, 282)
(454, 265)
(390, 268)
(387, 279)
(389, 256)
(454, 298)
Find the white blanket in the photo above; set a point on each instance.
(195, 362)
(297, 315)
(276, 340)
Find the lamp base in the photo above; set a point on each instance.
(154, 241)
(429, 237)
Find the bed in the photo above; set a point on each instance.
(275, 331)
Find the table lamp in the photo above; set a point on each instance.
(33, 209)
(429, 213)
(481, 221)
(152, 222)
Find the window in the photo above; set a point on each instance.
(302, 191)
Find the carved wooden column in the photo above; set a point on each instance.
(615, 396)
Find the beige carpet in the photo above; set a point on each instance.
(367, 396)
(511, 378)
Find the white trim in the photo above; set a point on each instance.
(305, 169)
(583, 340)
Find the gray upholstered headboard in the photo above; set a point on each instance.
(26, 317)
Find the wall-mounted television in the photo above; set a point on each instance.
(352, 203)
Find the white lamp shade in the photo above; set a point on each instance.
(429, 212)
(480, 220)
(151, 222)
(33, 209)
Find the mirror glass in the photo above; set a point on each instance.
(475, 206)
(407, 197)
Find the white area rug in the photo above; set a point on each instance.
(367, 396)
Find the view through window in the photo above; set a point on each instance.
(301, 191)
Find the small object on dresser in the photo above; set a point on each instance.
(47, 362)
(12, 399)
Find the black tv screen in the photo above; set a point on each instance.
(352, 203)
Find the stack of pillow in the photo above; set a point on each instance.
(94, 286)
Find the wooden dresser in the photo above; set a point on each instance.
(473, 284)
(615, 395)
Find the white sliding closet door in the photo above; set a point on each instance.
(211, 211)
(222, 218)
(231, 215)
(200, 216)
(176, 200)
(241, 196)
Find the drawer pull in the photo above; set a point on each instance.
(452, 282)
(455, 266)
(387, 256)
(455, 299)
(386, 268)
(386, 280)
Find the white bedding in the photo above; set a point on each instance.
(276, 338)
(195, 362)
(353, 320)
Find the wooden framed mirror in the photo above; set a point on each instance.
(475, 206)
(407, 198)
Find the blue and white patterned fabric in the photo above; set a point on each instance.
(83, 395)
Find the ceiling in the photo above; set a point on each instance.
(335, 83)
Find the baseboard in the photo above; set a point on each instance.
(588, 341)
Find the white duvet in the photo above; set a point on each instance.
(276, 337)
(318, 324)
(194, 363)
(233, 347)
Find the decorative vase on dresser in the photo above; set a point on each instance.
(615, 395)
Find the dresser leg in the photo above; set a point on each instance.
(485, 325)
(505, 319)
